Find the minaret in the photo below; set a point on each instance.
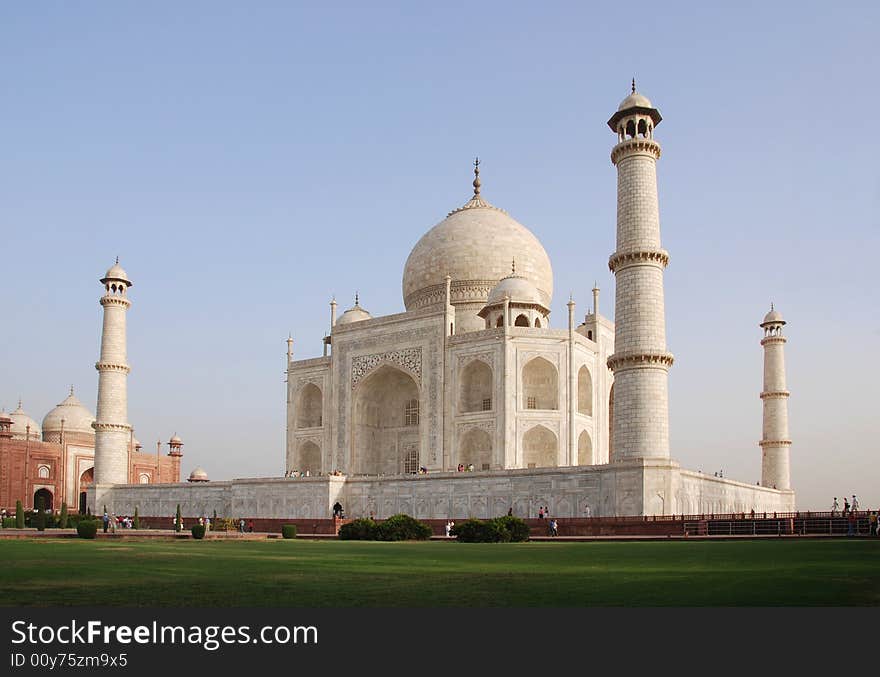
(775, 443)
(640, 361)
(112, 431)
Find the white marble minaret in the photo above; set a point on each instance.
(775, 443)
(112, 431)
(640, 361)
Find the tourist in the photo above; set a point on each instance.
(510, 512)
(337, 509)
(449, 525)
(541, 512)
(251, 526)
(851, 524)
(872, 523)
(106, 522)
(845, 506)
(855, 503)
(460, 467)
(588, 511)
(113, 522)
(241, 525)
(553, 527)
(835, 507)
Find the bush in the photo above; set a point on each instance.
(178, 520)
(498, 530)
(198, 531)
(136, 522)
(402, 528)
(19, 515)
(62, 521)
(288, 530)
(358, 530)
(87, 528)
(40, 517)
(9, 523)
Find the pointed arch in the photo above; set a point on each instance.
(521, 321)
(309, 407)
(540, 448)
(540, 385)
(476, 387)
(585, 449)
(585, 391)
(309, 458)
(476, 447)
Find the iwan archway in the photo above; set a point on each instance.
(386, 434)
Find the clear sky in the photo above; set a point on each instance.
(246, 161)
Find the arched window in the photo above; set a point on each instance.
(43, 472)
(539, 448)
(309, 458)
(538, 322)
(475, 448)
(631, 129)
(585, 392)
(476, 387)
(500, 321)
(308, 410)
(585, 449)
(411, 413)
(143, 478)
(540, 385)
(521, 321)
(643, 128)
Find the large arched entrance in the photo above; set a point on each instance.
(475, 393)
(476, 448)
(87, 478)
(540, 389)
(386, 424)
(46, 497)
(309, 407)
(309, 458)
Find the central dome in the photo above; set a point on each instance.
(475, 245)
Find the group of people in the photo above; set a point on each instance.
(297, 473)
(465, 468)
(449, 525)
(847, 506)
(111, 522)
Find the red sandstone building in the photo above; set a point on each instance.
(56, 461)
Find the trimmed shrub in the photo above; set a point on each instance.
(40, 517)
(62, 521)
(198, 531)
(9, 523)
(288, 530)
(358, 530)
(498, 530)
(178, 521)
(402, 528)
(87, 528)
(19, 515)
(136, 522)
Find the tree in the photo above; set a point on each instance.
(137, 520)
(19, 515)
(62, 522)
(178, 522)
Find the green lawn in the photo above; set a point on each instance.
(305, 573)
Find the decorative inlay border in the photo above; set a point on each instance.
(772, 339)
(774, 443)
(119, 427)
(110, 366)
(639, 358)
(408, 358)
(115, 301)
(624, 259)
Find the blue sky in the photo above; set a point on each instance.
(248, 161)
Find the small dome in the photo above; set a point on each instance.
(198, 475)
(635, 100)
(175, 439)
(773, 317)
(355, 314)
(77, 418)
(116, 272)
(519, 289)
(20, 423)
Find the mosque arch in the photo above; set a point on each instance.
(87, 478)
(475, 387)
(46, 495)
(144, 478)
(521, 321)
(585, 391)
(585, 449)
(43, 472)
(538, 322)
(540, 385)
(384, 438)
(309, 407)
(309, 458)
(475, 448)
(540, 448)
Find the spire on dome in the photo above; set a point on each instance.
(477, 183)
(634, 86)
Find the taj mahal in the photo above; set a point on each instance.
(470, 402)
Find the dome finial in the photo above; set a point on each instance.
(771, 306)
(634, 86)
(476, 176)
(71, 389)
(357, 297)
(513, 266)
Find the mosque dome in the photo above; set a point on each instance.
(354, 314)
(517, 288)
(198, 475)
(77, 418)
(175, 439)
(474, 245)
(20, 423)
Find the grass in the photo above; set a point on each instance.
(304, 573)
